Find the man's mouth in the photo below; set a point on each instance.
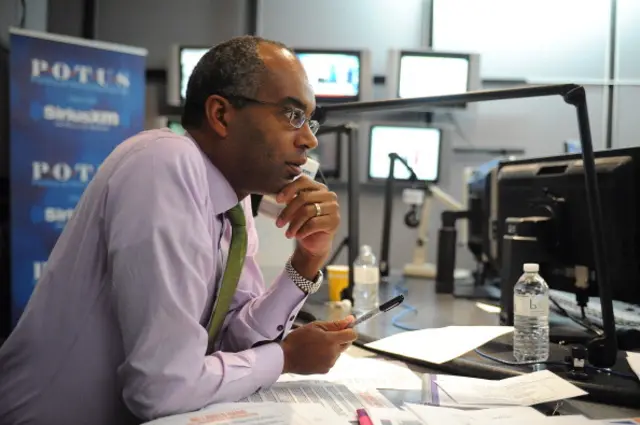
(294, 169)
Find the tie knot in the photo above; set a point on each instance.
(236, 216)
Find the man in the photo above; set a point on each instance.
(151, 302)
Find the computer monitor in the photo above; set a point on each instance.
(482, 207)
(337, 75)
(422, 73)
(182, 60)
(545, 199)
(421, 147)
(572, 146)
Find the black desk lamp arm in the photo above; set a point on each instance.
(603, 350)
(572, 94)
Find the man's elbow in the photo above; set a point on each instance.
(148, 402)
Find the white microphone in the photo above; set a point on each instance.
(270, 208)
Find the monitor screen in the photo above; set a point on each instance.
(572, 146)
(428, 74)
(333, 75)
(419, 146)
(189, 57)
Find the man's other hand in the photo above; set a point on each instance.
(314, 348)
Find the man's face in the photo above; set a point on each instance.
(271, 148)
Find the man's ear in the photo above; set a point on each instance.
(219, 113)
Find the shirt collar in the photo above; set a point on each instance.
(222, 195)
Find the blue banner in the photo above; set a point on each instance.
(72, 101)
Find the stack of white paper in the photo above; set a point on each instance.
(524, 390)
(439, 345)
(385, 416)
(364, 373)
(415, 414)
(255, 414)
(442, 415)
(339, 398)
(547, 420)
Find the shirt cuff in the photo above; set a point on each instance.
(269, 361)
(288, 297)
(265, 318)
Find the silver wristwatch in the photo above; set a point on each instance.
(307, 286)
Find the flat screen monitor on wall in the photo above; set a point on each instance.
(421, 147)
(422, 73)
(337, 75)
(572, 146)
(182, 60)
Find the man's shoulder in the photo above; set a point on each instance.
(156, 148)
(159, 144)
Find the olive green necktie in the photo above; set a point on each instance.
(235, 261)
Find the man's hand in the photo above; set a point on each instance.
(313, 215)
(314, 348)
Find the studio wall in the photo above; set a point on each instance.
(537, 125)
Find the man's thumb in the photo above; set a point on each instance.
(344, 336)
(344, 323)
(336, 325)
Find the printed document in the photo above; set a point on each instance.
(547, 420)
(364, 373)
(335, 397)
(439, 345)
(524, 390)
(416, 414)
(384, 416)
(443, 415)
(255, 414)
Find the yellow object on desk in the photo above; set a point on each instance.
(338, 279)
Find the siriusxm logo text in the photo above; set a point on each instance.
(84, 75)
(51, 217)
(38, 268)
(71, 116)
(60, 173)
(57, 215)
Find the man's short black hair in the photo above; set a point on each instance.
(232, 68)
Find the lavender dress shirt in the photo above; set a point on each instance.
(115, 331)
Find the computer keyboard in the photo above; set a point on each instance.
(626, 315)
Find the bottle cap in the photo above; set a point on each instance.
(365, 249)
(531, 267)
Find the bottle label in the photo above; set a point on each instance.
(531, 305)
(366, 275)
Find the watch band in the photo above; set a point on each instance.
(307, 286)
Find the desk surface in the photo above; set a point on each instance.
(437, 310)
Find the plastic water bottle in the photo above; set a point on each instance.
(531, 316)
(366, 277)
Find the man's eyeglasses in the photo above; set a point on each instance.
(296, 116)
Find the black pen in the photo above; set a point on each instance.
(392, 303)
